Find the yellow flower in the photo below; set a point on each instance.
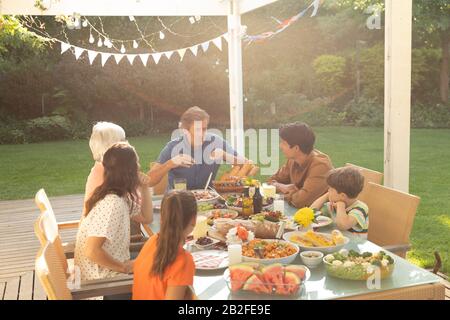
(304, 216)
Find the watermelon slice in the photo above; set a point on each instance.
(256, 285)
(291, 283)
(274, 275)
(239, 274)
(300, 271)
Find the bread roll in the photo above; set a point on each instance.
(235, 170)
(253, 171)
(245, 170)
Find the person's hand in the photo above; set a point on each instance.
(128, 266)
(291, 188)
(182, 160)
(286, 188)
(340, 206)
(144, 179)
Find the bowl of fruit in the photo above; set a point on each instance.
(273, 279)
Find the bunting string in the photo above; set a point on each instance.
(144, 57)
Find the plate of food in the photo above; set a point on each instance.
(210, 259)
(268, 224)
(323, 242)
(273, 279)
(234, 201)
(208, 206)
(204, 243)
(321, 221)
(219, 214)
(269, 251)
(353, 265)
(205, 196)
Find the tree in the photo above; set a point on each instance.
(431, 21)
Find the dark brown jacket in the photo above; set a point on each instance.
(310, 178)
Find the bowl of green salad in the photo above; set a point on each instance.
(353, 265)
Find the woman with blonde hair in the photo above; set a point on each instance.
(104, 135)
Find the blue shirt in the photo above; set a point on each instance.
(197, 175)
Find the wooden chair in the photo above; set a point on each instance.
(51, 275)
(161, 187)
(369, 176)
(47, 228)
(391, 217)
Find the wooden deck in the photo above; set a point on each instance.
(19, 245)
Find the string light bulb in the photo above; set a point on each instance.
(161, 35)
(99, 43)
(107, 43)
(91, 38)
(135, 44)
(122, 49)
(85, 23)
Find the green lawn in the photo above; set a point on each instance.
(62, 167)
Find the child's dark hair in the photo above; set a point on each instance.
(178, 208)
(346, 180)
(298, 134)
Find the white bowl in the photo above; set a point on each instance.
(311, 262)
(284, 260)
(287, 236)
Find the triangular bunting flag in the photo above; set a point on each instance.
(156, 57)
(218, 42)
(131, 57)
(105, 57)
(205, 46)
(92, 55)
(78, 52)
(118, 57)
(168, 54)
(194, 50)
(64, 47)
(226, 37)
(144, 58)
(181, 52)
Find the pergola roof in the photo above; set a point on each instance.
(129, 7)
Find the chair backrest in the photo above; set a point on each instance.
(51, 274)
(369, 176)
(391, 215)
(46, 230)
(161, 187)
(42, 201)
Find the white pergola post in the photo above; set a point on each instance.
(397, 99)
(235, 77)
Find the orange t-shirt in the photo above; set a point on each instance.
(151, 287)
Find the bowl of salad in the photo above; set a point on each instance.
(353, 265)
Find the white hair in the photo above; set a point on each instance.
(104, 135)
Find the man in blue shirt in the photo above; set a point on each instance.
(195, 154)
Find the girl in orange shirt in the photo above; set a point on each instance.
(163, 269)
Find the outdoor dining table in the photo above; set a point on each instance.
(408, 281)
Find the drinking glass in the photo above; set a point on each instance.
(180, 184)
(278, 203)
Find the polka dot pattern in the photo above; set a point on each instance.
(110, 219)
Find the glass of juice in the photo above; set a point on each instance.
(180, 184)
